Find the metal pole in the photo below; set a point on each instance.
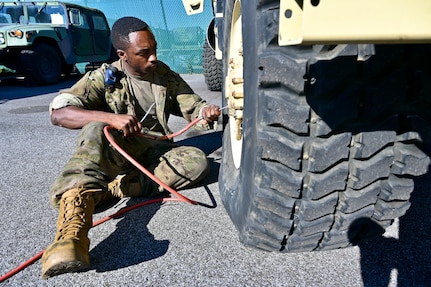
(166, 23)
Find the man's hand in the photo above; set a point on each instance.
(75, 118)
(129, 124)
(210, 113)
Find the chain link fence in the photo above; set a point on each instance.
(180, 38)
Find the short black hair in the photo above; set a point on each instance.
(122, 28)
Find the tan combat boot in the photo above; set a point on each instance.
(69, 251)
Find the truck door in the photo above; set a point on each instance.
(101, 34)
(92, 37)
(82, 36)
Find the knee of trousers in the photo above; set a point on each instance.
(182, 166)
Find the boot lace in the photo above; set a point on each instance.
(75, 207)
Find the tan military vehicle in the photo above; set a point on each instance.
(328, 116)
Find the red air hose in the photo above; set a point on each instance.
(178, 197)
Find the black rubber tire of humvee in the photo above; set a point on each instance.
(45, 64)
(330, 143)
(212, 68)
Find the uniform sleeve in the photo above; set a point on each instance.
(87, 93)
(64, 100)
(189, 103)
(191, 106)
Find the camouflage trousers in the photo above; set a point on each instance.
(96, 163)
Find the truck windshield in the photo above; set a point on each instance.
(49, 14)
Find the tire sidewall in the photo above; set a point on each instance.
(237, 185)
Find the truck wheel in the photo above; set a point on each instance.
(323, 154)
(212, 69)
(46, 65)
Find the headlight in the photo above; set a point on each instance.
(16, 33)
(2, 40)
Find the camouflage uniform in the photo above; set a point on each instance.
(96, 163)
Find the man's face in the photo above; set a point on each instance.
(140, 57)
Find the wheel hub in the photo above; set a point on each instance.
(235, 84)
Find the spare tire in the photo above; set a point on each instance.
(329, 143)
(212, 69)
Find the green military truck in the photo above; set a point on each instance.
(329, 116)
(43, 40)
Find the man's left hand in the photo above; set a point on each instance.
(210, 113)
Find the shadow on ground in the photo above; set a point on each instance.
(410, 254)
(132, 243)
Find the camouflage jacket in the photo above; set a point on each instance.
(172, 95)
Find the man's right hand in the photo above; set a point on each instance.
(75, 118)
(129, 124)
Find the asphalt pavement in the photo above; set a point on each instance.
(173, 244)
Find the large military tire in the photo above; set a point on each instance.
(329, 143)
(212, 69)
(46, 64)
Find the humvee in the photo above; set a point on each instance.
(43, 40)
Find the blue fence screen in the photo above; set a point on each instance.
(180, 37)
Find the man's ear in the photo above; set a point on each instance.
(121, 54)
